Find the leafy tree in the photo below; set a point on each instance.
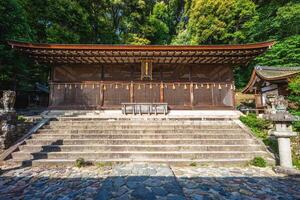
(284, 53)
(13, 26)
(219, 21)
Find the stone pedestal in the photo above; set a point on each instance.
(8, 123)
(283, 132)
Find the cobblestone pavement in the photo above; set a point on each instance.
(147, 181)
(236, 183)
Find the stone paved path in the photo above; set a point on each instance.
(147, 181)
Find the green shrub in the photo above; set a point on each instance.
(80, 162)
(21, 118)
(258, 162)
(257, 125)
(272, 143)
(193, 164)
(104, 164)
(296, 162)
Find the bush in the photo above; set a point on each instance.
(80, 162)
(257, 125)
(193, 164)
(258, 162)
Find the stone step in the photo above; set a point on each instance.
(140, 141)
(139, 136)
(140, 126)
(138, 155)
(49, 163)
(145, 122)
(141, 131)
(99, 148)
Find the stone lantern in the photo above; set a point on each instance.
(282, 120)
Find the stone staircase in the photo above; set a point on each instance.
(214, 142)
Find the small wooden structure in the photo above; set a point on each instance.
(269, 81)
(89, 76)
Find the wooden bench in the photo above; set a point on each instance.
(144, 108)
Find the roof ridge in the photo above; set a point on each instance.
(277, 68)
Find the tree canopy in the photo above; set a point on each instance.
(146, 22)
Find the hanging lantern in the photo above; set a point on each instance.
(70, 87)
(226, 85)
(127, 87)
(174, 86)
(116, 86)
(98, 85)
(234, 87)
(185, 87)
(93, 86)
(58, 87)
(66, 86)
(139, 87)
(75, 85)
(220, 87)
(201, 85)
(166, 85)
(150, 86)
(81, 86)
(196, 87)
(214, 85)
(231, 87)
(207, 86)
(104, 87)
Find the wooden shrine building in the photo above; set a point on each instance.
(268, 81)
(104, 76)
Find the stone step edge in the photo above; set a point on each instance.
(143, 145)
(145, 152)
(185, 139)
(138, 135)
(175, 162)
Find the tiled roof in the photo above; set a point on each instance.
(270, 74)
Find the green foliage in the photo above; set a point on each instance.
(258, 162)
(219, 21)
(296, 162)
(21, 118)
(193, 164)
(284, 53)
(260, 129)
(143, 22)
(104, 164)
(80, 162)
(257, 125)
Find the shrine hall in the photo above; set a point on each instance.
(95, 76)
